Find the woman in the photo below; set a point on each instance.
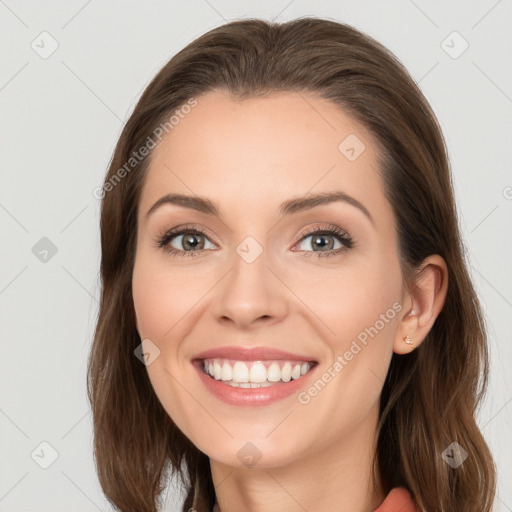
(286, 321)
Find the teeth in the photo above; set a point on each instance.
(240, 372)
(217, 370)
(249, 384)
(258, 372)
(274, 373)
(286, 372)
(227, 372)
(254, 374)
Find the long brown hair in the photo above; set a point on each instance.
(430, 396)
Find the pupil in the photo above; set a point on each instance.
(320, 237)
(188, 243)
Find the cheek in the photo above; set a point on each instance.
(152, 299)
(161, 296)
(349, 300)
(360, 310)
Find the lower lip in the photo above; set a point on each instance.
(250, 397)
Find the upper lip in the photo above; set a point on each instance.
(250, 354)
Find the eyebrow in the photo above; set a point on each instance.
(289, 207)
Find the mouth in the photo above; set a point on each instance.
(254, 373)
(244, 376)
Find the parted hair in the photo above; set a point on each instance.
(430, 396)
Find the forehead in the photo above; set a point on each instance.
(263, 150)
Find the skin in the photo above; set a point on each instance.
(248, 157)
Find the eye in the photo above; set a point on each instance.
(325, 238)
(188, 241)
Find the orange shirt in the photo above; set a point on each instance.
(398, 500)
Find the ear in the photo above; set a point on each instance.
(424, 303)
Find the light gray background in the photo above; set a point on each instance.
(60, 119)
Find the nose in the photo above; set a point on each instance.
(250, 294)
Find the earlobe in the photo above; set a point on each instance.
(427, 300)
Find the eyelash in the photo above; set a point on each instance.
(347, 241)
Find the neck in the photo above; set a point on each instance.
(330, 476)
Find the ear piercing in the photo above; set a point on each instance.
(408, 340)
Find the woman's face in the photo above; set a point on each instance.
(266, 276)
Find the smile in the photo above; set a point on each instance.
(253, 383)
(255, 374)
